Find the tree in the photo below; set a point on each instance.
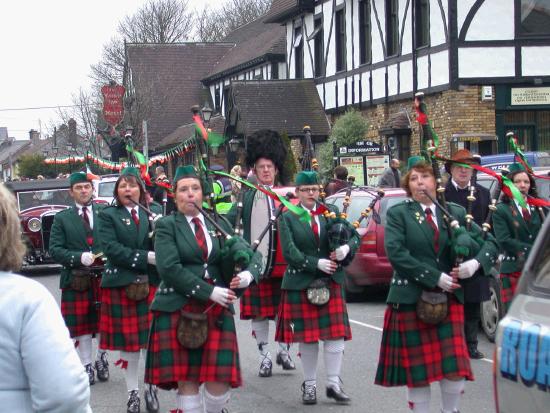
(215, 25)
(348, 129)
(289, 167)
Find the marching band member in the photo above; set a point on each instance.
(129, 281)
(303, 319)
(516, 228)
(265, 155)
(195, 292)
(73, 242)
(476, 288)
(423, 336)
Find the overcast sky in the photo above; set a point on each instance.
(46, 49)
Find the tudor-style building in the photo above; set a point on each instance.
(484, 65)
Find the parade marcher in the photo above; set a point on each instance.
(476, 288)
(516, 228)
(339, 182)
(423, 335)
(306, 250)
(74, 240)
(40, 368)
(265, 157)
(196, 278)
(129, 281)
(391, 177)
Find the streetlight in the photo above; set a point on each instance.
(55, 150)
(234, 144)
(69, 150)
(206, 114)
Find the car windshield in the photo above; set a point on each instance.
(32, 199)
(543, 188)
(541, 265)
(386, 204)
(106, 189)
(357, 205)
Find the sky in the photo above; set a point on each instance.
(46, 49)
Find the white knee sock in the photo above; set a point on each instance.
(308, 354)
(283, 348)
(131, 371)
(450, 394)
(333, 352)
(214, 404)
(260, 330)
(419, 399)
(189, 404)
(99, 350)
(85, 348)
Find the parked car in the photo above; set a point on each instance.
(104, 187)
(521, 370)
(38, 202)
(370, 265)
(501, 160)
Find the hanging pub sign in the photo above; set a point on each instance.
(113, 106)
(361, 148)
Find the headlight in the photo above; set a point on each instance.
(34, 225)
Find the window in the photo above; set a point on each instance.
(534, 17)
(365, 39)
(226, 101)
(217, 103)
(340, 39)
(422, 23)
(298, 53)
(275, 71)
(392, 27)
(319, 47)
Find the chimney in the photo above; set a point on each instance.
(34, 136)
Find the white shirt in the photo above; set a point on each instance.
(89, 212)
(457, 187)
(313, 217)
(434, 210)
(519, 207)
(129, 209)
(204, 229)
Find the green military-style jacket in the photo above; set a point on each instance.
(408, 240)
(514, 235)
(302, 253)
(182, 268)
(125, 247)
(68, 241)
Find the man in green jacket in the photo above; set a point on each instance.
(73, 242)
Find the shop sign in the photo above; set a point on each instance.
(361, 148)
(530, 96)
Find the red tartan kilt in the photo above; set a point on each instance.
(216, 361)
(261, 300)
(415, 354)
(79, 309)
(299, 321)
(124, 323)
(508, 285)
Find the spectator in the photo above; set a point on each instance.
(391, 177)
(40, 368)
(338, 182)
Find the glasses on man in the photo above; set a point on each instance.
(310, 190)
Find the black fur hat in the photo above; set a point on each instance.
(266, 143)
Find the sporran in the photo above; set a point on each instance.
(432, 307)
(318, 292)
(192, 329)
(139, 289)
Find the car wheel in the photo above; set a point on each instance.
(491, 311)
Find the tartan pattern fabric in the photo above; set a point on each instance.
(261, 300)
(79, 309)
(508, 285)
(415, 354)
(124, 323)
(299, 321)
(217, 360)
(201, 238)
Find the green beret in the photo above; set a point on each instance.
(131, 170)
(78, 177)
(307, 178)
(516, 167)
(414, 161)
(186, 171)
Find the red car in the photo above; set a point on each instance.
(370, 265)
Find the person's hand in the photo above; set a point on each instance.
(223, 296)
(241, 280)
(151, 258)
(340, 253)
(327, 266)
(87, 259)
(468, 268)
(447, 283)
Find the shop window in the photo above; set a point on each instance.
(392, 27)
(534, 17)
(422, 23)
(340, 40)
(365, 39)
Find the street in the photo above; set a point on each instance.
(281, 392)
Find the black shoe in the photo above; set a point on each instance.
(338, 394)
(133, 402)
(90, 372)
(309, 393)
(265, 367)
(286, 362)
(475, 353)
(151, 398)
(102, 367)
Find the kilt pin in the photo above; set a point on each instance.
(412, 352)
